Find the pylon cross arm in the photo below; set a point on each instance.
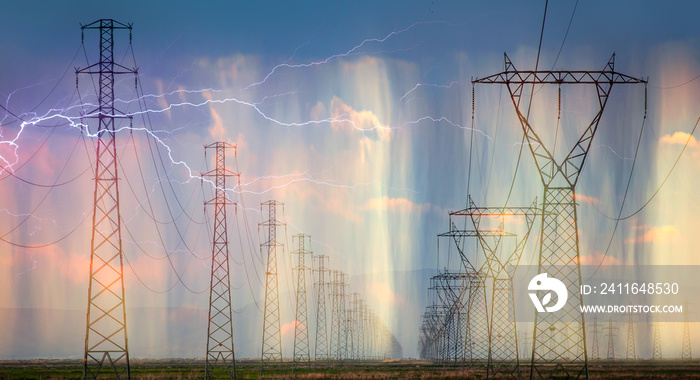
(569, 169)
(520, 77)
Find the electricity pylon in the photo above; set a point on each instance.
(220, 327)
(656, 350)
(559, 242)
(350, 327)
(106, 343)
(476, 347)
(595, 355)
(502, 341)
(321, 349)
(611, 340)
(335, 316)
(355, 325)
(686, 352)
(360, 329)
(338, 330)
(631, 345)
(271, 337)
(342, 318)
(301, 332)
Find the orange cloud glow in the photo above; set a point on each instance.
(395, 204)
(680, 138)
(384, 293)
(288, 328)
(586, 199)
(656, 234)
(598, 258)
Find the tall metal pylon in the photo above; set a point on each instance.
(631, 345)
(106, 343)
(342, 316)
(686, 352)
(559, 241)
(321, 349)
(656, 348)
(356, 328)
(301, 332)
(595, 355)
(350, 331)
(503, 341)
(220, 326)
(335, 316)
(476, 347)
(271, 337)
(361, 340)
(611, 340)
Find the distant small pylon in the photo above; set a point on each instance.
(611, 340)
(686, 351)
(595, 355)
(301, 331)
(631, 346)
(271, 339)
(656, 354)
(321, 349)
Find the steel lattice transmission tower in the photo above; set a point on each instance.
(335, 316)
(343, 318)
(595, 355)
(611, 340)
(106, 343)
(559, 242)
(476, 345)
(686, 353)
(271, 339)
(631, 345)
(656, 350)
(220, 327)
(503, 341)
(301, 332)
(321, 348)
(339, 336)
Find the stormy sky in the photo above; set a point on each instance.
(357, 116)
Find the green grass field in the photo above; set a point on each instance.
(393, 369)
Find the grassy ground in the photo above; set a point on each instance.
(375, 370)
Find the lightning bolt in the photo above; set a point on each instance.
(334, 57)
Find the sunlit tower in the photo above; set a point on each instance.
(220, 326)
(656, 350)
(301, 332)
(350, 327)
(356, 334)
(271, 337)
(595, 353)
(559, 240)
(502, 338)
(631, 345)
(611, 340)
(106, 343)
(321, 348)
(335, 316)
(342, 316)
(361, 330)
(686, 352)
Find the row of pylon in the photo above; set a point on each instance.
(611, 329)
(558, 339)
(355, 332)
